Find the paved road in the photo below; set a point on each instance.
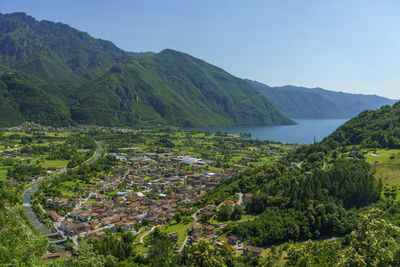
(194, 216)
(183, 245)
(240, 198)
(96, 155)
(195, 219)
(142, 237)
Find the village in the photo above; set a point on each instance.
(143, 194)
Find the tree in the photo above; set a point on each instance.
(224, 213)
(237, 213)
(202, 254)
(374, 243)
(178, 217)
(314, 254)
(272, 258)
(162, 250)
(19, 246)
(86, 257)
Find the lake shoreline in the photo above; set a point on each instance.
(306, 131)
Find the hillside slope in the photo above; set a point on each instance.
(378, 129)
(319, 190)
(173, 88)
(22, 100)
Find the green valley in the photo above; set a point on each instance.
(163, 194)
(103, 163)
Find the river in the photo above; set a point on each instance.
(26, 202)
(32, 217)
(301, 133)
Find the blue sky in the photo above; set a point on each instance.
(341, 45)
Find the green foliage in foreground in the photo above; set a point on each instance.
(374, 243)
(19, 246)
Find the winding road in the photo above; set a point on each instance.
(240, 198)
(142, 237)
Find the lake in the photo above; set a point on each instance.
(301, 133)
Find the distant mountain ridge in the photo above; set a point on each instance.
(93, 81)
(318, 103)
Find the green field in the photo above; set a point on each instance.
(246, 217)
(18, 133)
(55, 163)
(180, 228)
(63, 134)
(3, 174)
(140, 249)
(387, 163)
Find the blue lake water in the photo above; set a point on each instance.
(301, 133)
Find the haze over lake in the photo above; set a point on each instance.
(302, 133)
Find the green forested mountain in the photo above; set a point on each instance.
(93, 81)
(302, 102)
(175, 88)
(55, 52)
(377, 129)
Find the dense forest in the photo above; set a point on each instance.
(317, 192)
(318, 199)
(22, 99)
(376, 129)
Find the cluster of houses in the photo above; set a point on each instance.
(151, 187)
(151, 192)
(124, 212)
(211, 232)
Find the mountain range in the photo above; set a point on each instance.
(317, 103)
(93, 81)
(54, 74)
